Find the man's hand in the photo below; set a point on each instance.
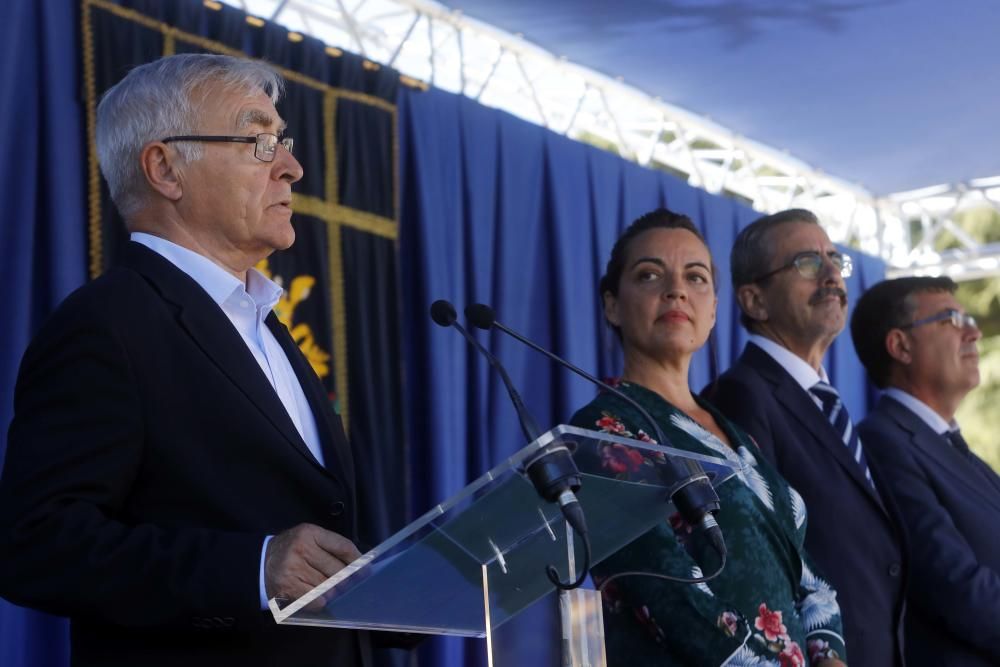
(303, 557)
(830, 662)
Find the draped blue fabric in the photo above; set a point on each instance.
(42, 233)
(499, 211)
(493, 209)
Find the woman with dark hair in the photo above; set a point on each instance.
(768, 606)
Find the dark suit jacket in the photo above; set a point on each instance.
(147, 460)
(951, 505)
(850, 534)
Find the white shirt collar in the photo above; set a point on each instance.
(264, 291)
(922, 410)
(802, 372)
(219, 283)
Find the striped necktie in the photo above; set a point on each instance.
(836, 413)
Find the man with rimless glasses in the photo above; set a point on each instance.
(789, 283)
(173, 462)
(919, 346)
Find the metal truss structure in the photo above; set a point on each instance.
(430, 44)
(934, 209)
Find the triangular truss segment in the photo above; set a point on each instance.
(432, 44)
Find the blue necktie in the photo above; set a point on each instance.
(958, 442)
(836, 412)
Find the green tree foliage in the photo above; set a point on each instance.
(981, 297)
(979, 415)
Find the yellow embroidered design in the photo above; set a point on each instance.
(297, 292)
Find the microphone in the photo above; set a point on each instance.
(552, 471)
(688, 486)
(443, 314)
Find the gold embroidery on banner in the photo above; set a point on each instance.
(364, 99)
(331, 184)
(335, 249)
(93, 169)
(345, 215)
(395, 179)
(367, 222)
(297, 291)
(410, 82)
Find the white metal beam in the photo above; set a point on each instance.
(510, 73)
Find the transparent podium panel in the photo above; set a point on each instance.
(478, 559)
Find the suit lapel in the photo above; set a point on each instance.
(798, 403)
(937, 448)
(331, 432)
(212, 331)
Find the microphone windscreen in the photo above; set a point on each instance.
(443, 313)
(481, 315)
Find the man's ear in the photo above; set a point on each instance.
(898, 345)
(752, 302)
(160, 167)
(611, 309)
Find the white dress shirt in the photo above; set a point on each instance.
(801, 372)
(246, 307)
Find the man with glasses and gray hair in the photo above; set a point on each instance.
(174, 462)
(789, 282)
(919, 346)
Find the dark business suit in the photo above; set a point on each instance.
(147, 460)
(950, 502)
(850, 535)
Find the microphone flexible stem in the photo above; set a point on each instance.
(572, 511)
(553, 470)
(661, 439)
(528, 425)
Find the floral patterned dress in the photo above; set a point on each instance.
(768, 607)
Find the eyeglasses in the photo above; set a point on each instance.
(810, 263)
(958, 319)
(265, 149)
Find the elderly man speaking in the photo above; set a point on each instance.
(173, 461)
(789, 283)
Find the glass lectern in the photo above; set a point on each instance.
(476, 560)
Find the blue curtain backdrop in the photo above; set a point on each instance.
(499, 211)
(493, 209)
(42, 230)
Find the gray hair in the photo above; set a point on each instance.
(161, 99)
(753, 251)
